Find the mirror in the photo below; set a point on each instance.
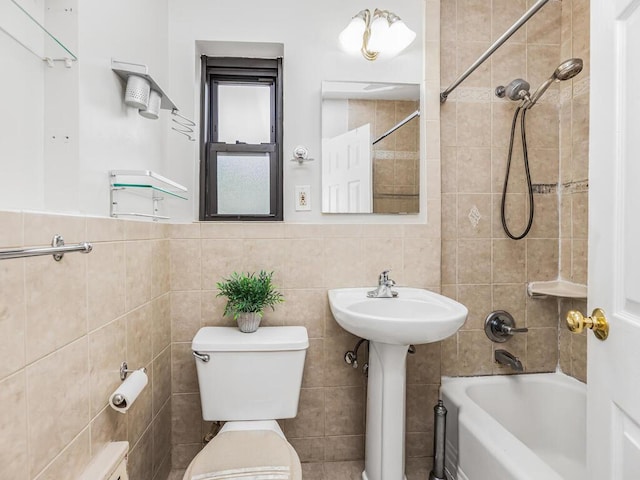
(370, 147)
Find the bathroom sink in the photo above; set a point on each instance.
(415, 316)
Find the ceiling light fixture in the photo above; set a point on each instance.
(381, 33)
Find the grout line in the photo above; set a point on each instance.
(66, 447)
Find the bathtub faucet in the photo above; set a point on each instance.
(505, 358)
(500, 326)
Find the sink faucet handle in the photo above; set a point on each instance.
(383, 279)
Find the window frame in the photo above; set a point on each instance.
(217, 70)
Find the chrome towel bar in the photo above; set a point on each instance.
(57, 250)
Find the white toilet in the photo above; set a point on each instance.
(249, 381)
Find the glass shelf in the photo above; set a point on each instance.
(136, 214)
(152, 187)
(135, 182)
(29, 32)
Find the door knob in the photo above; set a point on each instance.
(576, 322)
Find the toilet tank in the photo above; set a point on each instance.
(109, 464)
(250, 376)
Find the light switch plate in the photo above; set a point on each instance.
(303, 198)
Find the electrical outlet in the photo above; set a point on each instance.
(303, 198)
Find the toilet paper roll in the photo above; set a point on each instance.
(126, 394)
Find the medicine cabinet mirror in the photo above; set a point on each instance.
(370, 147)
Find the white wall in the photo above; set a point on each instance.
(113, 135)
(63, 129)
(309, 32)
(61, 161)
(22, 119)
(95, 132)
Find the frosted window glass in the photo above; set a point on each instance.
(244, 113)
(243, 184)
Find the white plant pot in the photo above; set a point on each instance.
(248, 322)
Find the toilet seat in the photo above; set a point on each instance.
(234, 450)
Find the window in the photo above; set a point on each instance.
(241, 150)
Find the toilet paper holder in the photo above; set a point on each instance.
(124, 371)
(130, 388)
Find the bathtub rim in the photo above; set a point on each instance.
(511, 453)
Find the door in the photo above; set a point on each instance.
(347, 171)
(613, 365)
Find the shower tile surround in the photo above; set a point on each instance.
(574, 174)
(145, 277)
(481, 267)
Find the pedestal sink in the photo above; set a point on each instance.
(415, 316)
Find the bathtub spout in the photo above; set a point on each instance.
(505, 358)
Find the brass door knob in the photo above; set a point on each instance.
(576, 322)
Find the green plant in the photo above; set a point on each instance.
(248, 292)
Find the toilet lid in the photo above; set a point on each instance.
(230, 453)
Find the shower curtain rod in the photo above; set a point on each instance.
(497, 44)
(397, 126)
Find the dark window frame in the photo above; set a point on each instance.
(216, 70)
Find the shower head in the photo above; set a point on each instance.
(565, 71)
(568, 69)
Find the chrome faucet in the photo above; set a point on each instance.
(384, 287)
(505, 358)
(500, 326)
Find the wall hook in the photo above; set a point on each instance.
(301, 155)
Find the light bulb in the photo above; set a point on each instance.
(399, 37)
(379, 34)
(351, 37)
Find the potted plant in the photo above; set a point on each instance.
(248, 295)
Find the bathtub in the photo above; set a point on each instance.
(515, 427)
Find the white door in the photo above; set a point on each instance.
(347, 172)
(613, 370)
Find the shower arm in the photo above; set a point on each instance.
(497, 44)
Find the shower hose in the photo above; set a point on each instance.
(520, 110)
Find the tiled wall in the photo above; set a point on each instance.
(396, 167)
(328, 432)
(481, 267)
(574, 174)
(65, 327)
